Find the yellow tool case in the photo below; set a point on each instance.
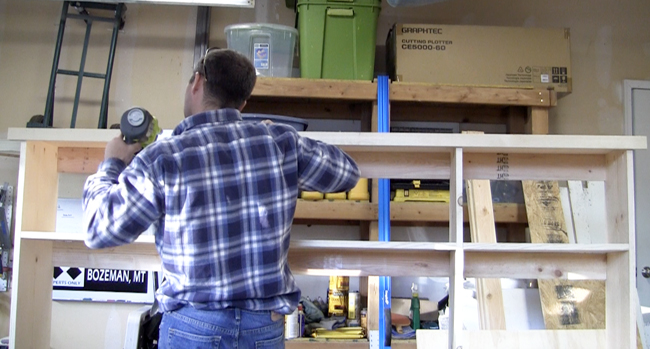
(422, 191)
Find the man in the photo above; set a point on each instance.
(222, 195)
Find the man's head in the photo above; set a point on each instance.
(221, 79)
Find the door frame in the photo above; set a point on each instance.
(628, 87)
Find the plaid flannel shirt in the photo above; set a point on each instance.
(221, 194)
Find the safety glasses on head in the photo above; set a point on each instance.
(205, 58)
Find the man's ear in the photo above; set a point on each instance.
(197, 83)
(241, 107)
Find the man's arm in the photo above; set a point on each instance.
(119, 203)
(325, 168)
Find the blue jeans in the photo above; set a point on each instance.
(189, 328)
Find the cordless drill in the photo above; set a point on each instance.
(139, 126)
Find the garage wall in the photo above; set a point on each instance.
(153, 61)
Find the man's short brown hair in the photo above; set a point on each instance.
(230, 77)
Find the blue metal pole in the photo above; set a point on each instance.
(383, 118)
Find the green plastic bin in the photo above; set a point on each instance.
(337, 38)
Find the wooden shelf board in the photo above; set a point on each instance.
(479, 143)
(591, 167)
(337, 245)
(383, 246)
(529, 339)
(371, 142)
(546, 248)
(313, 343)
(292, 88)
(372, 246)
(368, 258)
(310, 257)
(295, 88)
(423, 93)
(400, 211)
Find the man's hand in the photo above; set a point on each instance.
(117, 148)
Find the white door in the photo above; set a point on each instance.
(637, 115)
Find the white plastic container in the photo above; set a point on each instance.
(270, 47)
(291, 325)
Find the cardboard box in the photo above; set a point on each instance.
(480, 56)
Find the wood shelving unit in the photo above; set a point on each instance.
(455, 157)
(521, 110)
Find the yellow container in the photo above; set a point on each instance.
(338, 303)
(335, 196)
(311, 195)
(406, 195)
(339, 283)
(360, 191)
(354, 313)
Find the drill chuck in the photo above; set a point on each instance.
(138, 125)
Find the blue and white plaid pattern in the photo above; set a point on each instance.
(222, 195)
